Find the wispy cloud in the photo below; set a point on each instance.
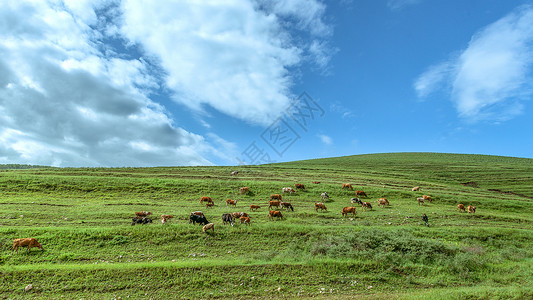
(491, 78)
(399, 4)
(325, 139)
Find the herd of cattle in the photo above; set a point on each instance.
(276, 202)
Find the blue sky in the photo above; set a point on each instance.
(134, 83)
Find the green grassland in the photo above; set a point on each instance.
(82, 218)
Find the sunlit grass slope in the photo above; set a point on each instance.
(82, 218)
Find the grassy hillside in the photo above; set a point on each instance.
(82, 218)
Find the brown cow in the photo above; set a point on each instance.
(209, 226)
(209, 204)
(231, 202)
(471, 209)
(316, 182)
(299, 186)
(165, 218)
(460, 207)
(245, 220)
(254, 207)
(198, 213)
(30, 242)
(383, 201)
(288, 190)
(347, 210)
(420, 200)
(275, 214)
(207, 199)
(275, 203)
(321, 206)
(415, 189)
(427, 198)
(244, 190)
(237, 215)
(287, 205)
(142, 214)
(360, 193)
(367, 205)
(275, 196)
(347, 186)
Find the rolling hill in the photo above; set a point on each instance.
(82, 218)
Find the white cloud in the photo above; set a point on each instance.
(325, 139)
(63, 103)
(432, 79)
(491, 78)
(234, 56)
(399, 4)
(76, 77)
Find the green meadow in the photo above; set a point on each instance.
(82, 218)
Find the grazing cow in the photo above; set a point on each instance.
(234, 173)
(382, 202)
(415, 189)
(138, 220)
(245, 220)
(471, 209)
(316, 182)
(244, 190)
(321, 206)
(347, 186)
(324, 196)
(288, 190)
(367, 205)
(356, 200)
(360, 193)
(275, 196)
(254, 207)
(231, 202)
(287, 205)
(427, 198)
(198, 219)
(420, 200)
(347, 210)
(237, 215)
(425, 219)
(30, 242)
(226, 218)
(206, 199)
(142, 214)
(198, 213)
(208, 226)
(209, 204)
(165, 218)
(274, 203)
(275, 214)
(460, 207)
(299, 186)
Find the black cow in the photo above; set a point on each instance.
(356, 200)
(226, 218)
(198, 219)
(144, 220)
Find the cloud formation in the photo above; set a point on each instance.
(235, 56)
(491, 78)
(76, 77)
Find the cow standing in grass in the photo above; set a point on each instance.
(275, 214)
(348, 210)
(347, 186)
(30, 242)
(320, 206)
